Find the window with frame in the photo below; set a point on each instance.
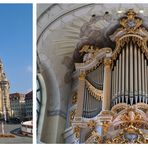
(38, 99)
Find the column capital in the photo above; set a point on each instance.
(107, 61)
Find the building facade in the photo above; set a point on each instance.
(5, 108)
(17, 102)
(29, 105)
(92, 73)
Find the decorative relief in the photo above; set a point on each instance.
(131, 30)
(77, 131)
(129, 135)
(106, 125)
(98, 94)
(93, 138)
(131, 22)
(107, 61)
(82, 75)
(74, 98)
(130, 116)
(72, 115)
(92, 124)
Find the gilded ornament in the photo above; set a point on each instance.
(91, 124)
(105, 126)
(74, 98)
(98, 94)
(77, 131)
(107, 61)
(72, 115)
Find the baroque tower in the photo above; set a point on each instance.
(5, 110)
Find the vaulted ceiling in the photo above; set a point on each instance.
(67, 19)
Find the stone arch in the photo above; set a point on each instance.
(51, 132)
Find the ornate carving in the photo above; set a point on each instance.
(130, 135)
(98, 94)
(107, 61)
(131, 22)
(77, 131)
(91, 124)
(131, 30)
(106, 125)
(82, 75)
(93, 138)
(72, 115)
(74, 98)
(88, 49)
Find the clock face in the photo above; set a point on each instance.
(131, 23)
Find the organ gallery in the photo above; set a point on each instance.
(110, 99)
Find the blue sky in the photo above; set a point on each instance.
(16, 45)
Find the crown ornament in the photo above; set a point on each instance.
(130, 22)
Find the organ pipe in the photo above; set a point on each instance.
(146, 79)
(117, 77)
(123, 71)
(135, 71)
(131, 69)
(130, 76)
(115, 71)
(143, 77)
(139, 71)
(127, 64)
(113, 83)
(119, 91)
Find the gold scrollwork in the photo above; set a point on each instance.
(82, 75)
(72, 115)
(88, 49)
(131, 22)
(74, 98)
(98, 94)
(107, 61)
(106, 126)
(77, 131)
(91, 124)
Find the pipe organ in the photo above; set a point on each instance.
(129, 74)
(92, 102)
(112, 92)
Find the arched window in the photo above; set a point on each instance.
(38, 100)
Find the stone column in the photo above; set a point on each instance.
(79, 110)
(107, 84)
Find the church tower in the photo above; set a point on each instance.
(5, 110)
